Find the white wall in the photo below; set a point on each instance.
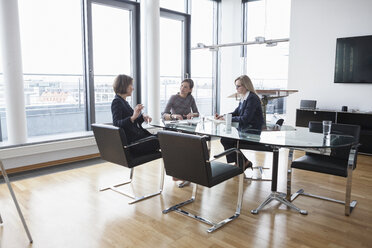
(315, 25)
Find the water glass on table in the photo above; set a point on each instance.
(228, 118)
(327, 128)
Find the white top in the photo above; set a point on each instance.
(244, 97)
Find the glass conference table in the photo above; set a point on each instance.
(272, 135)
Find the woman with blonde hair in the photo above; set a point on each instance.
(248, 114)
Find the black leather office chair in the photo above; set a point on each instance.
(340, 162)
(192, 129)
(260, 148)
(186, 157)
(113, 147)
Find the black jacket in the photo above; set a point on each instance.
(121, 113)
(249, 115)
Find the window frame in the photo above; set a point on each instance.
(186, 37)
(135, 58)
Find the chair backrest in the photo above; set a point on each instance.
(111, 141)
(185, 156)
(346, 129)
(279, 122)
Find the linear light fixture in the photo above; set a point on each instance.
(257, 41)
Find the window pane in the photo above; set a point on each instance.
(111, 54)
(52, 65)
(271, 70)
(202, 60)
(268, 66)
(202, 22)
(170, 59)
(177, 5)
(268, 18)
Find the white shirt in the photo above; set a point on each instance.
(244, 97)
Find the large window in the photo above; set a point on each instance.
(174, 53)
(177, 5)
(51, 40)
(70, 61)
(111, 54)
(112, 48)
(202, 61)
(267, 65)
(174, 57)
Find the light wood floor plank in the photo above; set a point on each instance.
(65, 209)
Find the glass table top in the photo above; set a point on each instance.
(284, 136)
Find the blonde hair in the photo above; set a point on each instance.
(246, 82)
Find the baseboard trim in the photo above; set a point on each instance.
(51, 163)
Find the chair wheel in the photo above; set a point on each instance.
(254, 211)
(304, 212)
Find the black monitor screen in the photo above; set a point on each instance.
(354, 60)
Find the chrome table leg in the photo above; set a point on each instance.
(274, 195)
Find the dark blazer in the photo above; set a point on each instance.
(249, 115)
(121, 113)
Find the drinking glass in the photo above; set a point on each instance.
(228, 118)
(327, 127)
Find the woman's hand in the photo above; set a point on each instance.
(136, 112)
(218, 117)
(147, 118)
(189, 116)
(177, 117)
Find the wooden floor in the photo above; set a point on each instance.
(65, 209)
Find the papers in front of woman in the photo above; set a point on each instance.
(211, 118)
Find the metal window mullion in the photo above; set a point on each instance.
(187, 46)
(88, 63)
(216, 59)
(188, 5)
(136, 51)
(243, 52)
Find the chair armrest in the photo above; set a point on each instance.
(152, 137)
(228, 151)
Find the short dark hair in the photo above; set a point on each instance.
(189, 80)
(121, 83)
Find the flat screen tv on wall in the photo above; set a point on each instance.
(354, 60)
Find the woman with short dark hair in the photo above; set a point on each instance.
(129, 119)
(182, 105)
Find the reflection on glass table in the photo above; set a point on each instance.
(276, 138)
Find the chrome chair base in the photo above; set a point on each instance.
(215, 226)
(302, 192)
(136, 198)
(5, 175)
(280, 197)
